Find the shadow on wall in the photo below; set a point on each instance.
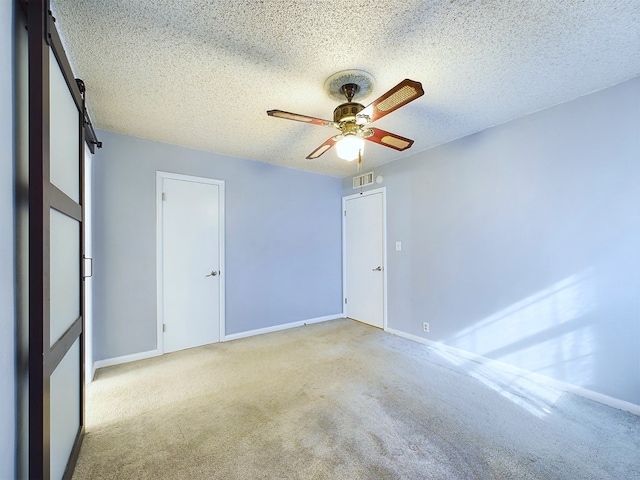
(550, 333)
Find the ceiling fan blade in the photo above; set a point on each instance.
(299, 118)
(406, 91)
(324, 147)
(390, 140)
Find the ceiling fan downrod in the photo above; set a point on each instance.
(349, 90)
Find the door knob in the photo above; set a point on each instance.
(377, 269)
(212, 274)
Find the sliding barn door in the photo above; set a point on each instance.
(56, 333)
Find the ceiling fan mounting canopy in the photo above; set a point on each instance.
(349, 90)
(353, 119)
(333, 86)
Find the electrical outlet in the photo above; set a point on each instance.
(425, 327)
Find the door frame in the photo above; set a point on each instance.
(160, 177)
(345, 305)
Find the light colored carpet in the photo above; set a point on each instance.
(341, 400)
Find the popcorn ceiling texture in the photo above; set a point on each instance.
(203, 73)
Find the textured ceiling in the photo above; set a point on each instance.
(203, 73)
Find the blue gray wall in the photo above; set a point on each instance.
(521, 243)
(7, 235)
(283, 250)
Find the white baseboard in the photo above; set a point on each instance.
(124, 359)
(154, 353)
(535, 377)
(284, 326)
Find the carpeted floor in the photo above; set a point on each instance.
(341, 400)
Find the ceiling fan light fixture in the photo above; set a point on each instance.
(349, 146)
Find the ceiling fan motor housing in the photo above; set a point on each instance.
(347, 112)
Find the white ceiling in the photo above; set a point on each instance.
(203, 73)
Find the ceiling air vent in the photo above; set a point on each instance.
(363, 180)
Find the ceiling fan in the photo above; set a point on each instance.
(353, 119)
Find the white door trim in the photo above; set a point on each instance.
(160, 176)
(383, 191)
(87, 225)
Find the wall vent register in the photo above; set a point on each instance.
(363, 180)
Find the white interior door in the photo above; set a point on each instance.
(190, 262)
(364, 249)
